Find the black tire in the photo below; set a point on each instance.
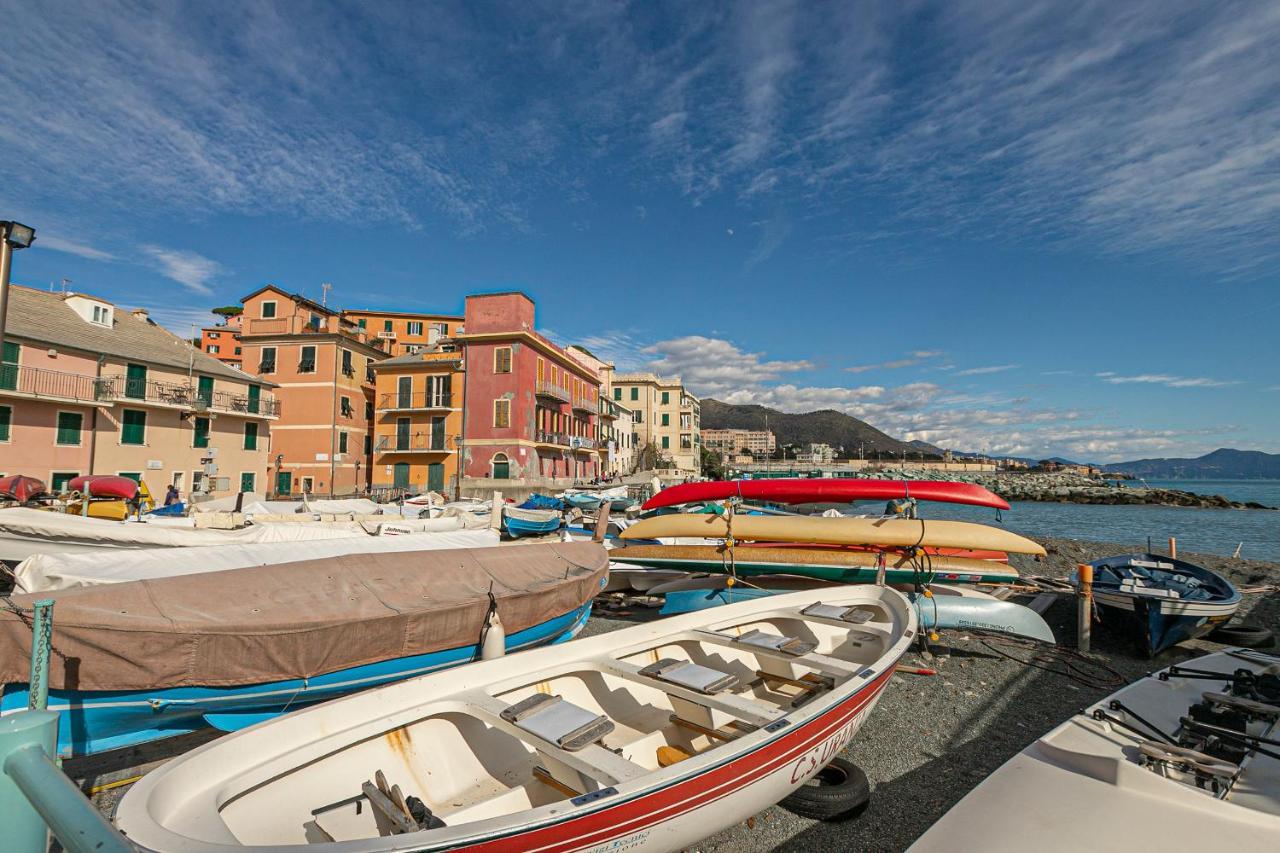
(838, 791)
(1248, 636)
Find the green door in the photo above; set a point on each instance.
(135, 381)
(284, 483)
(400, 477)
(404, 392)
(437, 433)
(204, 390)
(201, 437)
(435, 477)
(9, 367)
(247, 481)
(255, 395)
(402, 433)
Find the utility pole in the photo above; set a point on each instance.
(324, 293)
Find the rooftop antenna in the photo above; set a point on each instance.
(65, 282)
(324, 293)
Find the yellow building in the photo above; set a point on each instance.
(665, 415)
(418, 420)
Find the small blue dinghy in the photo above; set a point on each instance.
(1160, 600)
(529, 522)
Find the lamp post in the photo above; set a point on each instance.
(279, 469)
(13, 235)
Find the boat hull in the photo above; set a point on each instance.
(96, 721)
(519, 527)
(827, 490)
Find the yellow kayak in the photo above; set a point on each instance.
(878, 532)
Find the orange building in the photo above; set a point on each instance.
(322, 364)
(402, 333)
(222, 341)
(418, 420)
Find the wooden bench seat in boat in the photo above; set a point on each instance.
(746, 710)
(824, 664)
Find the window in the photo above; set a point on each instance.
(133, 427)
(686, 442)
(617, 394)
(308, 484)
(268, 362)
(439, 391)
(386, 325)
(213, 348)
(368, 443)
(307, 364)
(313, 323)
(342, 442)
(237, 350)
(254, 401)
(215, 335)
(136, 476)
(197, 482)
(247, 481)
(345, 407)
(69, 425)
(502, 360)
(414, 327)
(502, 413)
(501, 467)
(666, 442)
(362, 323)
(666, 419)
(635, 393)
(441, 328)
(251, 437)
(201, 437)
(268, 310)
(666, 397)
(9, 366)
(542, 369)
(637, 417)
(6, 422)
(368, 410)
(58, 481)
(100, 315)
(347, 368)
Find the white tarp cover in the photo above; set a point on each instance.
(48, 572)
(252, 503)
(358, 506)
(55, 527)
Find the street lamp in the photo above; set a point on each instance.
(13, 235)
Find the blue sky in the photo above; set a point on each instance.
(1022, 228)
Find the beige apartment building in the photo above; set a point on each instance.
(665, 415)
(617, 438)
(735, 442)
(89, 388)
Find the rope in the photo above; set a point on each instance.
(1059, 660)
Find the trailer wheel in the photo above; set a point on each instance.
(1248, 636)
(839, 791)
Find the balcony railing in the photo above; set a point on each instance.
(583, 404)
(581, 442)
(416, 442)
(123, 389)
(553, 391)
(53, 384)
(302, 326)
(545, 437)
(417, 400)
(608, 408)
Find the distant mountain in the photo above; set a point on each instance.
(1224, 464)
(822, 427)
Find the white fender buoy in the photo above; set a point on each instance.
(495, 637)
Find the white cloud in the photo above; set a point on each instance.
(913, 359)
(1166, 380)
(193, 271)
(713, 366)
(982, 371)
(72, 247)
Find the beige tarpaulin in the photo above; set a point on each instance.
(298, 620)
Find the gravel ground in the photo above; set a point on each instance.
(929, 741)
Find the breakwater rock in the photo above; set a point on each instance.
(1071, 488)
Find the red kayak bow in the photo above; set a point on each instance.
(833, 490)
(17, 487)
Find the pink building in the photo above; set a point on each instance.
(531, 411)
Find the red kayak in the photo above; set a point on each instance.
(104, 486)
(17, 487)
(833, 490)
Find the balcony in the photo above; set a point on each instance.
(581, 442)
(275, 326)
(583, 404)
(421, 401)
(40, 384)
(557, 438)
(416, 442)
(180, 396)
(552, 391)
(609, 409)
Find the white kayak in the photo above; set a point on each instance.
(649, 738)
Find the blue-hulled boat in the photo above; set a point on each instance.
(184, 658)
(1162, 601)
(530, 522)
(583, 500)
(537, 501)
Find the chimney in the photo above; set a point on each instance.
(141, 314)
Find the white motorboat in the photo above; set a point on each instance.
(1185, 759)
(648, 738)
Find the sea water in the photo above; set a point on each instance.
(1208, 531)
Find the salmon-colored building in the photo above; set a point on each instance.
(322, 365)
(402, 333)
(532, 411)
(418, 420)
(222, 341)
(89, 388)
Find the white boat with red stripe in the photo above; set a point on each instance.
(649, 738)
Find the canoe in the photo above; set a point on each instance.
(880, 532)
(529, 522)
(20, 488)
(834, 566)
(949, 608)
(231, 648)
(827, 490)
(104, 486)
(969, 553)
(645, 739)
(1161, 601)
(1097, 785)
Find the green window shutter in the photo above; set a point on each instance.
(342, 442)
(666, 397)
(9, 366)
(204, 390)
(135, 381)
(246, 482)
(255, 397)
(69, 425)
(635, 393)
(58, 482)
(6, 420)
(201, 433)
(250, 437)
(666, 442)
(386, 325)
(617, 394)
(666, 420)
(136, 476)
(133, 427)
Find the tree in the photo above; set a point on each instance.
(651, 457)
(712, 463)
(228, 311)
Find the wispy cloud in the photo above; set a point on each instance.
(1166, 380)
(917, 357)
(72, 247)
(983, 371)
(190, 269)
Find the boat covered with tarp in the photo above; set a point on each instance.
(136, 662)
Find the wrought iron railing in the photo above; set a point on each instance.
(124, 389)
(555, 392)
(546, 437)
(420, 441)
(38, 382)
(416, 400)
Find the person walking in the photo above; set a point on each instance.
(171, 496)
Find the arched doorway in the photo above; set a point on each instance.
(501, 467)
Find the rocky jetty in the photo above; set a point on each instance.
(1058, 487)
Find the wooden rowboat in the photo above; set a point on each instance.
(650, 738)
(880, 532)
